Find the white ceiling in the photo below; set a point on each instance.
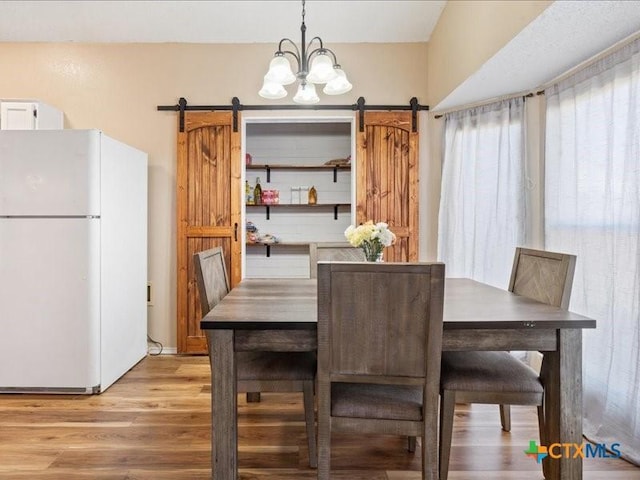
(566, 34)
(204, 21)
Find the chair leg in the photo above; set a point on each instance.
(447, 409)
(543, 437)
(505, 417)
(310, 420)
(324, 431)
(411, 444)
(545, 375)
(424, 455)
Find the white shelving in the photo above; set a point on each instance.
(287, 155)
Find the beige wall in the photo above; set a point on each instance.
(470, 32)
(116, 88)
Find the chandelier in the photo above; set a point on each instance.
(317, 65)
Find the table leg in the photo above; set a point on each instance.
(224, 405)
(562, 376)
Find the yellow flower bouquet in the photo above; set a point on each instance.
(371, 237)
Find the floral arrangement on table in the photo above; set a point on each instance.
(372, 238)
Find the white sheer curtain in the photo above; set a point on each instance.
(482, 203)
(593, 210)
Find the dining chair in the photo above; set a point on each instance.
(369, 313)
(337, 251)
(499, 377)
(341, 251)
(260, 371)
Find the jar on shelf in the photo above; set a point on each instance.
(270, 197)
(304, 194)
(248, 193)
(295, 195)
(313, 196)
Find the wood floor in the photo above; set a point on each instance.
(153, 424)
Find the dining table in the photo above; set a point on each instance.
(281, 315)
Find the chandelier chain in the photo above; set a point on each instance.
(303, 11)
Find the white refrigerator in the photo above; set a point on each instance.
(73, 260)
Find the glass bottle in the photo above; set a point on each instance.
(248, 193)
(313, 196)
(257, 193)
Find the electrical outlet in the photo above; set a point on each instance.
(149, 296)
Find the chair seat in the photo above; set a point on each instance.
(487, 372)
(363, 400)
(267, 366)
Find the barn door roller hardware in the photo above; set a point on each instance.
(236, 106)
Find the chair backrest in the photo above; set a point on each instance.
(211, 277)
(380, 322)
(543, 276)
(320, 252)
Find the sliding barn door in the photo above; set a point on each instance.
(208, 204)
(387, 183)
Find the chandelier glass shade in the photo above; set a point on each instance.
(315, 63)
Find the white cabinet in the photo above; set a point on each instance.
(29, 115)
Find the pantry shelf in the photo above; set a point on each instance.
(334, 206)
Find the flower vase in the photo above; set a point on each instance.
(375, 257)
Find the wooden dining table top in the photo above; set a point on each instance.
(267, 304)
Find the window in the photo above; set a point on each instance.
(592, 209)
(482, 207)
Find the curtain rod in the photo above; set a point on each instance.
(488, 102)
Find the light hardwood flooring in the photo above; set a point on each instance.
(154, 424)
